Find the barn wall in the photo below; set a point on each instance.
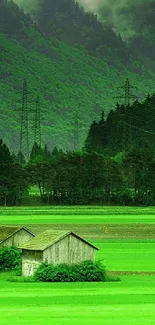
(69, 250)
(80, 251)
(19, 238)
(58, 253)
(30, 261)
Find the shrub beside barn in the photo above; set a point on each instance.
(14, 236)
(55, 247)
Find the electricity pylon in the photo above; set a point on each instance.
(126, 118)
(128, 94)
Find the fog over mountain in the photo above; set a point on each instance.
(126, 16)
(27, 5)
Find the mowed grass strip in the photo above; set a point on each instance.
(142, 314)
(102, 231)
(80, 209)
(77, 215)
(127, 256)
(128, 302)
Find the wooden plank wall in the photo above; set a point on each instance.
(30, 261)
(69, 250)
(80, 251)
(19, 238)
(58, 253)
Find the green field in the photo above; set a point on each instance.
(127, 256)
(77, 215)
(126, 238)
(130, 301)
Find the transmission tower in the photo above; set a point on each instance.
(24, 131)
(126, 118)
(128, 94)
(37, 123)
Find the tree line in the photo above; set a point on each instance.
(70, 178)
(124, 127)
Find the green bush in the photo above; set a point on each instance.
(86, 271)
(10, 258)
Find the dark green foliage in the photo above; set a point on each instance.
(82, 179)
(13, 178)
(10, 258)
(86, 271)
(97, 136)
(124, 127)
(36, 153)
(67, 21)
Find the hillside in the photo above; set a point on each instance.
(69, 79)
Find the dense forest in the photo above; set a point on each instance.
(87, 177)
(72, 60)
(115, 166)
(125, 126)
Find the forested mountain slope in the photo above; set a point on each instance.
(71, 81)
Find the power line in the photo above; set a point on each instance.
(136, 127)
(127, 96)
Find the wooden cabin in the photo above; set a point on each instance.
(55, 247)
(14, 236)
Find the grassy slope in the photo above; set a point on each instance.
(66, 78)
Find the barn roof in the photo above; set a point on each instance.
(48, 238)
(8, 231)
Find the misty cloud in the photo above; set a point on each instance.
(125, 16)
(27, 5)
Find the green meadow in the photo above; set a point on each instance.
(126, 239)
(130, 301)
(77, 215)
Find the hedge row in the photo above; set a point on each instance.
(86, 271)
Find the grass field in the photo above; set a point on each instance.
(126, 238)
(77, 215)
(127, 255)
(130, 301)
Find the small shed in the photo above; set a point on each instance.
(14, 236)
(55, 247)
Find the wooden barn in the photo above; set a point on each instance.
(14, 236)
(55, 247)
